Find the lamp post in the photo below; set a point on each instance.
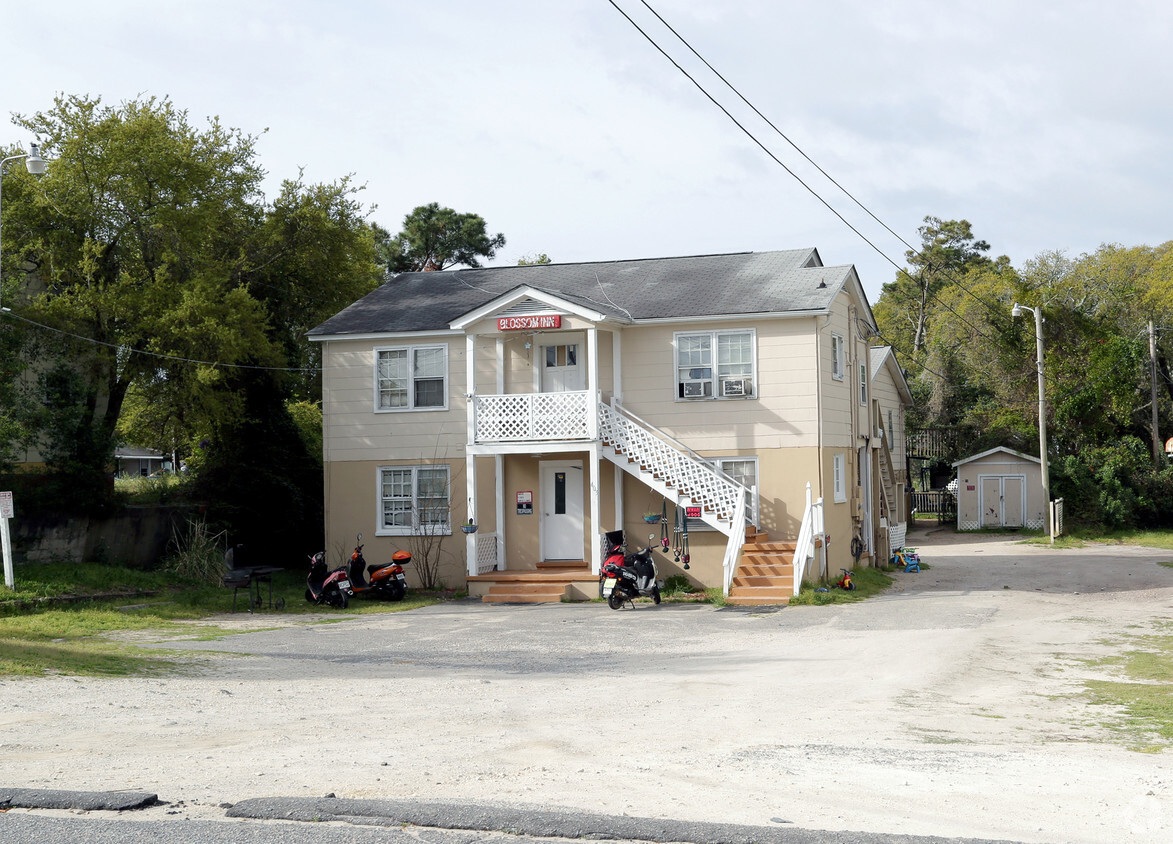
(35, 165)
(1016, 311)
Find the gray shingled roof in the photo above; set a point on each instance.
(655, 288)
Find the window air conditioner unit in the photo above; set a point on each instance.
(694, 389)
(736, 387)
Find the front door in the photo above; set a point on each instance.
(561, 371)
(562, 516)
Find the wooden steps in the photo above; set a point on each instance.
(548, 584)
(765, 576)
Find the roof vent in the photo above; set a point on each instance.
(822, 284)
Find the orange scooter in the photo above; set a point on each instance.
(385, 581)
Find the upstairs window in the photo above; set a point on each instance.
(863, 384)
(715, 365)
(838, 364)
(411, 378)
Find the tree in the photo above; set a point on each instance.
(151, 238)
(948, 251)
(434, 238)
(533, 260)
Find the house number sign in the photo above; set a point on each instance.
(522, 323)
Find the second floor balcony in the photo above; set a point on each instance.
(534, 417)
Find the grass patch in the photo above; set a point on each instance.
(63, 619)
(1143, 695)
(868, 582)
(167, 488)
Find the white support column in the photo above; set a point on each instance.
(500, 366)
(470, 539)
(618, 475)
(617, 365)
(596, 506)
(499, 469)
(593, 384)
(470, 385)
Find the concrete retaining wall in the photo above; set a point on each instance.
(137, 537)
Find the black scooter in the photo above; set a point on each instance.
(626, 577)
(331, 588)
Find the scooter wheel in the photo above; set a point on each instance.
(397, 593)
(615, 599)
(309, 596)
(656, 595)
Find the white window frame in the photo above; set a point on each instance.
(863, 385)
(838, 477)
(714, 381)
(753, 499)
(838, 364)
(891, 431)
(411, 351)
(414, 529)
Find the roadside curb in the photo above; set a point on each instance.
(548, 824)
(87, 801)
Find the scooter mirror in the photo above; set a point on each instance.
(360, 536)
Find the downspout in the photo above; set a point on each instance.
(327, 468)
(819, 423)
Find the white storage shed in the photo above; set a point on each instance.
(1000, 488)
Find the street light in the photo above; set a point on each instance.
(1016, 311)
(35, 165)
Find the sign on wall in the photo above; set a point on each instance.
(525, 503)
(530, 323)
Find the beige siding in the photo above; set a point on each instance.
(352, 428)
(783, 416)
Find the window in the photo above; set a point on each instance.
(840, 480)
(411, 378)
(413, 500)
(715, 364)
(891, 432)
(863, 384)
(838, 365)
(744, 470)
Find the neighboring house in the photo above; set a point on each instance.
(552, 403)
(132, 461)
(1000, 488)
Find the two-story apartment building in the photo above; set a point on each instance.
(548, 404)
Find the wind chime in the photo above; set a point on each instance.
(664, 527)
(680, 537)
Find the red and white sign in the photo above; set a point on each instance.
(692, 512)
(520, 323)
(6, 511)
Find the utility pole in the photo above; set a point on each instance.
(1158, 450)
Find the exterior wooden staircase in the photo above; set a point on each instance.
(548, 584)
(766, 573)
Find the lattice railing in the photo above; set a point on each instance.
(486, 553)
(519, 417)
(707, 486)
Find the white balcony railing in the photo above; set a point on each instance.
(522, 417)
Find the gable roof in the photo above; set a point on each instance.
(784, 282)
(1000, 448)
(885, 356)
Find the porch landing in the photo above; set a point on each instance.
(549, 583)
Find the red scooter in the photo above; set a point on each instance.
(387, 580)
(331, 588)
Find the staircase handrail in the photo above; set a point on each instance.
(733, 546)
(673, 441)
(678, 465)
(804, 546)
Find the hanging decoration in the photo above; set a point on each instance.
(664, 526)
(684, 555)
(677, 532)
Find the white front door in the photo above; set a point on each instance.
(561, 371)
(562, 514)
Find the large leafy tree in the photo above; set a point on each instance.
(948, 251)
(434, 238)
(166, 277)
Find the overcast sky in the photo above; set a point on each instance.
(1046, 124)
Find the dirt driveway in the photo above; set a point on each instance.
(949, 706)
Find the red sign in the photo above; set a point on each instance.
(518, 323)
(692, 512)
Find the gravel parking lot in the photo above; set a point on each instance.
(950, 706)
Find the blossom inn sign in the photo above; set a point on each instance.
(516, 323)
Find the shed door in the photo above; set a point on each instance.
(1013, 501)
(991, 501)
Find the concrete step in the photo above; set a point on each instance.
(525, 593)
(756, 601)
(755, 581)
